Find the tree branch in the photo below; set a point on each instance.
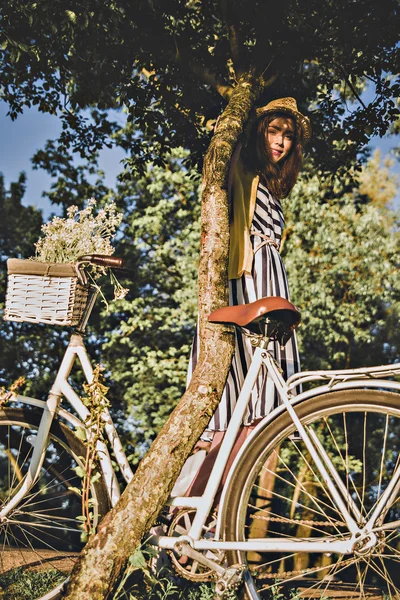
(210, 78)
(237, 49)
(272, 77)
(351, 86)
(205, 74)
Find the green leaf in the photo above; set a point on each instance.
(14, 55)
(71, 15)
(23, 47)
(79, 471)
(80, 433)
(84, 537)
(137, 559)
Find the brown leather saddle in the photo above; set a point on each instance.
(274, 317)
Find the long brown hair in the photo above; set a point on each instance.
(278, 177)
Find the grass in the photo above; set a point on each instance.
(140, 582)
(20, 584)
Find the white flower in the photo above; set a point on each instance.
(81, 232)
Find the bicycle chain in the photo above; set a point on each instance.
(299, 522)
(209, 575)
(184, 570)
(287, 574)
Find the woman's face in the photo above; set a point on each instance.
(280, 137)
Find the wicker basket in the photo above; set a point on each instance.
(40, 292)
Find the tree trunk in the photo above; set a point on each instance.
(123, 528)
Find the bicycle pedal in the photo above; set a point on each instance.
(230, 580)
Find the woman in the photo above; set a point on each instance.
(262, 173)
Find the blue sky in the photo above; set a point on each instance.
(19, 141)
(21, 138)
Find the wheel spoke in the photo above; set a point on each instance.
(284, 496)
(41, 535)
(319, 506)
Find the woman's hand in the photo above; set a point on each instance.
(202, 445)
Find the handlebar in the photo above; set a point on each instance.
(102, 260)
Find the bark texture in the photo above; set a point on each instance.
(123, 528)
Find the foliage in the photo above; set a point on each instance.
(72, 181)
(148, 348)
(140, 582)
(172, 64)
(377, 182)
(96, 402)
(22, 226)
(342, 262)
(10, 393)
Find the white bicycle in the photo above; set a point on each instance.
(311, 502)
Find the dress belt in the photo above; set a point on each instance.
(267, 241)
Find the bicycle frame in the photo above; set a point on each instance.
(346, 379)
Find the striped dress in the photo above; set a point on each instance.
(268, 278)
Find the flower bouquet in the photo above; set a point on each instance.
(46, 289)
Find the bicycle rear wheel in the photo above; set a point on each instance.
(40, 538)
(277, 492)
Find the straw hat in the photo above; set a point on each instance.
(288, 105)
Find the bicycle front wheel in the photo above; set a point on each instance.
(278, 492)
(40, 538)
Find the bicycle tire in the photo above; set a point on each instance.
(276, 492)
(40, 538)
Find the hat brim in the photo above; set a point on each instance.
(302, 122)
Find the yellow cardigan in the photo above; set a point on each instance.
(242, 192)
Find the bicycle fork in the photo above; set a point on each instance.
(60, 388)
(38, 454)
